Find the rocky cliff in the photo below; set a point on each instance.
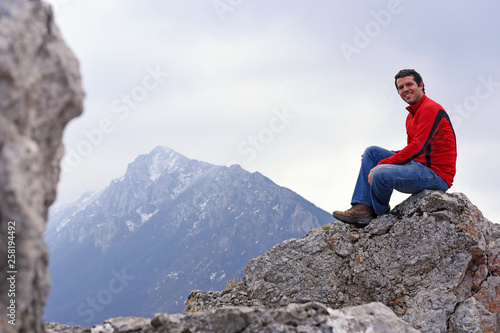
(431, 265)
(434, 260)
(40, 91)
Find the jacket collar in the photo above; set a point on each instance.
(413, 108)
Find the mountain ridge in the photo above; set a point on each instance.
(176, 223)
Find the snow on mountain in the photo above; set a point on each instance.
(171, 224)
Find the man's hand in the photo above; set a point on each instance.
(370, 176)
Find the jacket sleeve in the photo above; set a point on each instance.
(426, 121)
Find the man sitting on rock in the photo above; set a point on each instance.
(427, 162)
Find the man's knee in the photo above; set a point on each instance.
(382, 173)
(372, 149)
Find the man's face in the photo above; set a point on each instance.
(408, 89)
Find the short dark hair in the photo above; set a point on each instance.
(409, 72)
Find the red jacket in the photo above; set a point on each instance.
(431, 140)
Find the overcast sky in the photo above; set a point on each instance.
(295, 90)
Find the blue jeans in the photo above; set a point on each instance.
(408, 178)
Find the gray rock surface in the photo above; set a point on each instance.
(304, 318)
(40, 91)
(434, 260)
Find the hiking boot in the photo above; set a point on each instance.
(359, 215)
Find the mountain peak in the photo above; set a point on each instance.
(160, 160)
(164, 162)
(164, 152)
(163, 159)
(172, 223)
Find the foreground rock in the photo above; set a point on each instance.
(310, 317)
(434, 260)
(40, 91)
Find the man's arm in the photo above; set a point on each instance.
(427, 122)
